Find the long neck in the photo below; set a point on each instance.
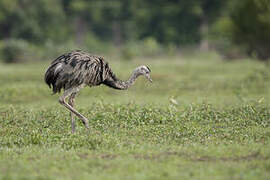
(122, 85)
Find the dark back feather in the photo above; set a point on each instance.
(73, 69)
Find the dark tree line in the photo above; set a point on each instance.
(204, 23)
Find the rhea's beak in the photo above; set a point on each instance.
(148, 77)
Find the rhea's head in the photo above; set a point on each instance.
(145, 71)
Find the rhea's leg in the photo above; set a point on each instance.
(71, 102)
(62, 100)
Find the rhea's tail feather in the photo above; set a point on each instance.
(51, 78)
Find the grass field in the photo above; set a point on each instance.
(202, 118)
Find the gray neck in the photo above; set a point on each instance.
(122, 85)
(132, 79)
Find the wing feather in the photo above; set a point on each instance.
(75, 68)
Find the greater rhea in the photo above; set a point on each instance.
(77, 69)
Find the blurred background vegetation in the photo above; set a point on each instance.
(41, 30)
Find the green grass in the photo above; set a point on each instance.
(202, 118)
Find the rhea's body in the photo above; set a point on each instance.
(74, 70)
(78, 68)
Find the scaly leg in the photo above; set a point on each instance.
(71, 102)
(62, 101)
